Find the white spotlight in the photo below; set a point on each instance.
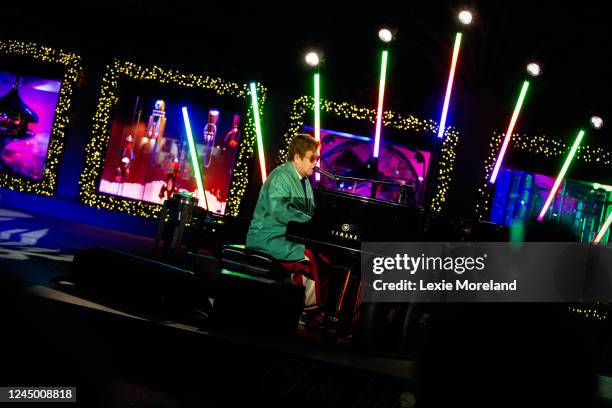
(533, 69)
(312, 59)
(385, 35)
(596, 122)
(465, 17)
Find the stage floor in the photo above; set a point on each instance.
(119, 356)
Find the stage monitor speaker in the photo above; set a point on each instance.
(256, 305)
(126, 278)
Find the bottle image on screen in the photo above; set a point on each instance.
(156, 127)
(233, 136)
(123, 171)
(210, 133)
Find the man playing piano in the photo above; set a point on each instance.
(285, 196)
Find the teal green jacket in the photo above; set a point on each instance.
(281, 199)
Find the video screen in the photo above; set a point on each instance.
(345, 154)
(27, 112)
(520, 195)
(148, 156)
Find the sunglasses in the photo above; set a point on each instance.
(313, 159)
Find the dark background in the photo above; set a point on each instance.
(265, 41)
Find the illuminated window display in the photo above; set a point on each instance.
(520, 195)
(27, 112)
(345, 154)
(36, 88)
(138, 154)
(407, 148)
(148, 154)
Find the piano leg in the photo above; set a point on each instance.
(343, 293)
(357, 305)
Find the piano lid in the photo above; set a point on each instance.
(323, 194)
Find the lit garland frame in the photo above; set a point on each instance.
(95, 151)
(304, 105)
(538, 145)
(72, 63)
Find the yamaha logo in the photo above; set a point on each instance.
(343, 233)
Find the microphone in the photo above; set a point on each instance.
(326, 173)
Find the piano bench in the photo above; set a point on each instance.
(238, 258)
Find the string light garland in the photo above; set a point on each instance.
(95, 151)
(539, 145)
(589, 313)
(302, 106)
(72, 64)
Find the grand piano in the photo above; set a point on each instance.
(342, 221)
